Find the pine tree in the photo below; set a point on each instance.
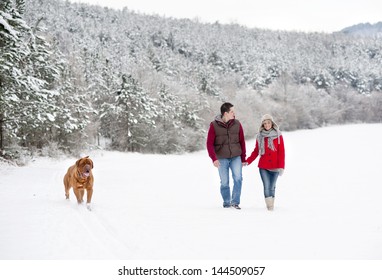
(135, 112)
(13, 81)
(32, 107)
(165, 136)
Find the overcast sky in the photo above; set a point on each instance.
(297, 15)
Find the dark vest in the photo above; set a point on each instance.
(227, 141)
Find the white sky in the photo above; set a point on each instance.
(297, 15)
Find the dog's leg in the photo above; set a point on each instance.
(89, 193)
(89, 206)
(67, 188)
(82, 193)
(77, 192)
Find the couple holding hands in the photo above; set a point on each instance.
(226, 148)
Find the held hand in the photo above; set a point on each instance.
(244, 163)
(216, 163)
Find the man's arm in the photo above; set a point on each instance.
(210, 143)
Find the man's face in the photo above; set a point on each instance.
(230, 115)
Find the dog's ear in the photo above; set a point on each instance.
(78, 162)
(90, 161)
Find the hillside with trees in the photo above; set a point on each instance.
(364, 30)
(76, 75)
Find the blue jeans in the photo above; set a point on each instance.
(269, 179)
(236, 168)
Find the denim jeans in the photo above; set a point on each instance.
(236, 169)
(269, 179)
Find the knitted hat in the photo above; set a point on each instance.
(268, 117)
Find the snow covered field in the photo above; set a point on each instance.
(166, 207)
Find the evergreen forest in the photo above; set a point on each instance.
(77, 76)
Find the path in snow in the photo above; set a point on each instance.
(169, 206)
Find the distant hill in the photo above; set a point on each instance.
(364, 29)
(74, 74)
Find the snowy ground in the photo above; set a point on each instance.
(163, 207)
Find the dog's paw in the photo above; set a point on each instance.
(88, 206)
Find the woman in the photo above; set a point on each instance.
(270, 147)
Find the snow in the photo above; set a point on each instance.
(6, 26)
(167, 207)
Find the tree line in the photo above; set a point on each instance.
(75, 76)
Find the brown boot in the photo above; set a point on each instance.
(269, 201)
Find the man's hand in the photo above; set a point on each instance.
(216, 163)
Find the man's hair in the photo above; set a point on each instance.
(225, 108)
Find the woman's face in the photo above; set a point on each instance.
(267, 124)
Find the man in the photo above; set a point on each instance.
(226, 148)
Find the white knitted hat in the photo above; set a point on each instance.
(268, 117)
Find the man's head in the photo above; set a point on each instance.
(227, 111)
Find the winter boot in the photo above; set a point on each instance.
(269, 201)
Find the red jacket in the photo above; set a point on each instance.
(270, 159)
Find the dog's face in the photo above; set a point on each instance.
(85, 165)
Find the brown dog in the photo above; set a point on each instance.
(80, 178)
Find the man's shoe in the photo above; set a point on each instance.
(236, 206)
